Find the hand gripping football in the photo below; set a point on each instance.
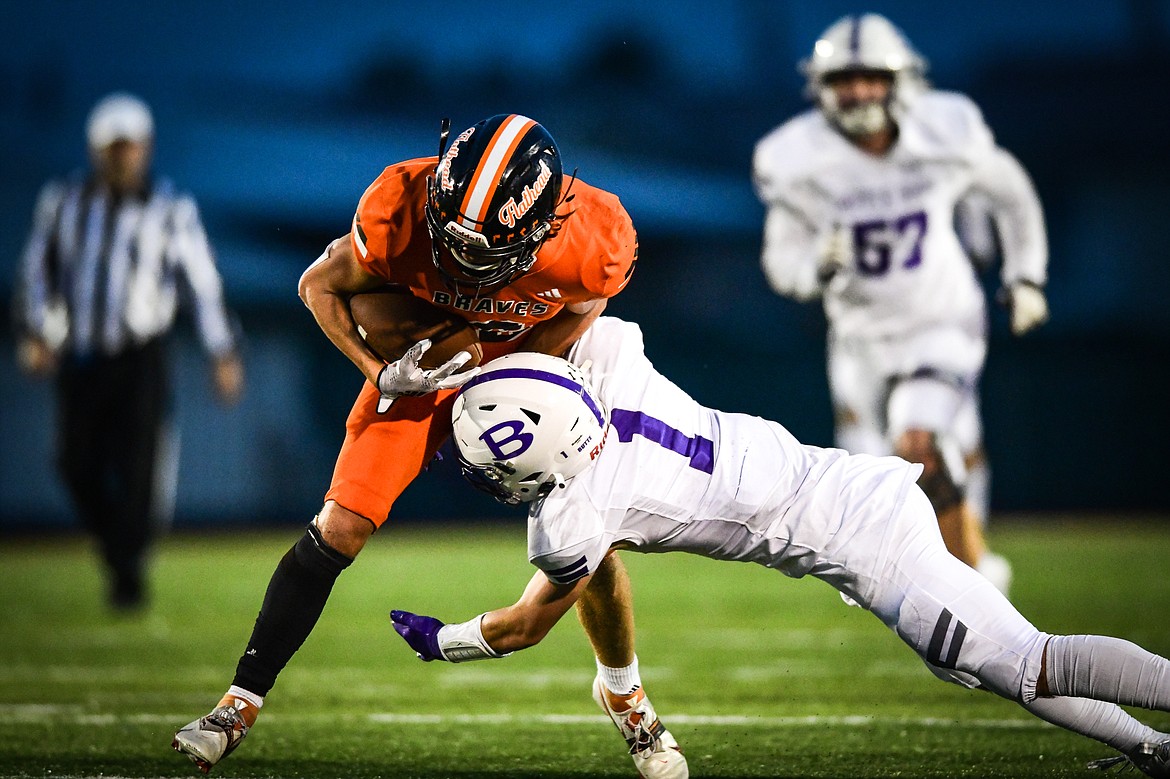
(391, 320)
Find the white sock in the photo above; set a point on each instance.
(1108, 669)
(978, 492)
(245, 695)
(620, 681)
(1105, 722)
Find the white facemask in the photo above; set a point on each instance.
(863, 119)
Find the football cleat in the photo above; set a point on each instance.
(1151, 759)
(655, 753)
(210, 739)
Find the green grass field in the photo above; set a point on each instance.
(757, 675)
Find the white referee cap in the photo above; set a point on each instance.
(120, 116)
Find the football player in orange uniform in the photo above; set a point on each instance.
(491, 229)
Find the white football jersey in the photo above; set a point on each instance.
(676, 476)
(908, 268)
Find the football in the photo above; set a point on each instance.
(391, 320)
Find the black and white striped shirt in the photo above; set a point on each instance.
(102, 273)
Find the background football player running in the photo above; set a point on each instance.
(492, 230)
(861, 195)
(610, 454)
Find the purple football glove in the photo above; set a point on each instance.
(422, 633)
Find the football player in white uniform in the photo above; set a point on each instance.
(611, 455)
(861, 193)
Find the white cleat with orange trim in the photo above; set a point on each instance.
(655, 753)
(211, 738)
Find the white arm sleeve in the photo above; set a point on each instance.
(789, 255)
(1018, 215)
(790, 252)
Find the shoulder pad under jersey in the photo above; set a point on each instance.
(794, 150)
(946, 124)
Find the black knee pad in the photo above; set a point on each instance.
(315, 555)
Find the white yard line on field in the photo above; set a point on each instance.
(716, 720)
(77, 715)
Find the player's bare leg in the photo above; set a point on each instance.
(292, 604)
(962, 534)
(606, 612)
(961, 531)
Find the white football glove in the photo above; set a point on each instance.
(1027, 306)
(405, 377)
(836, 253)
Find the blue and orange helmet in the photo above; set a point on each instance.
(492, 201)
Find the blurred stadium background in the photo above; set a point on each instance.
(277, 120)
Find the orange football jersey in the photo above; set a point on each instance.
(591, 256)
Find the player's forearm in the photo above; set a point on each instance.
(331, 311)
(557, 334)
(494, 634)
(1024, 243)
(526, 622)
(325, 288)
(507, 630)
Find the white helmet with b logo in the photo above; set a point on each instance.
(526, 424)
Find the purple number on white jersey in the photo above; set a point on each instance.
(699, 451)
(877, 244)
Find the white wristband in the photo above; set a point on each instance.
(464, 641)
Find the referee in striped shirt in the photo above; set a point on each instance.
(110, 254)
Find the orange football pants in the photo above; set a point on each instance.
(383, 453)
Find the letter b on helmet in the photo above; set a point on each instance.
(507, 439)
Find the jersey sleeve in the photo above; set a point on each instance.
(610, 249)
(388, 213)
(1001, 181)
(948, 125)
(791, 154)
(566, 538)
(1018, 216)
(191, 251)
(766, 180)
(37, 292)
(606, 348)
